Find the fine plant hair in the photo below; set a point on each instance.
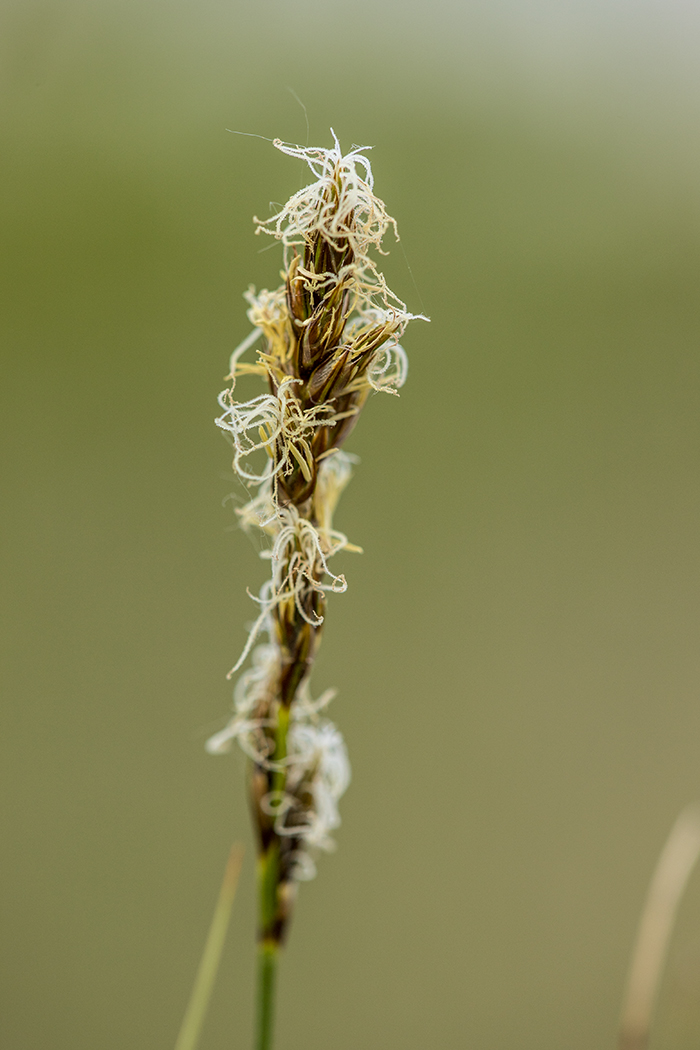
(325, 340)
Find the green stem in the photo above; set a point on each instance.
(268, 887)
(267, 963)
(279, 778)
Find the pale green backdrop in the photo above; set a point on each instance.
(517, 654)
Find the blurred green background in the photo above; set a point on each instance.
(517, 654)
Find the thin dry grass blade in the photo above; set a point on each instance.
(209, 964)
(674, 867)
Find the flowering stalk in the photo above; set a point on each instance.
(330, 336)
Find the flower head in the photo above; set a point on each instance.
(322, 342)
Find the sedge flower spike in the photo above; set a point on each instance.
(322, 343)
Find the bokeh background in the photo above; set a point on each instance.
(517, 654)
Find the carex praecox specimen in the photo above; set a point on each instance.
(326, 339)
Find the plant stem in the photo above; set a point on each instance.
(280, 777)
(267, 963)
(673, 869)
(206, 973)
